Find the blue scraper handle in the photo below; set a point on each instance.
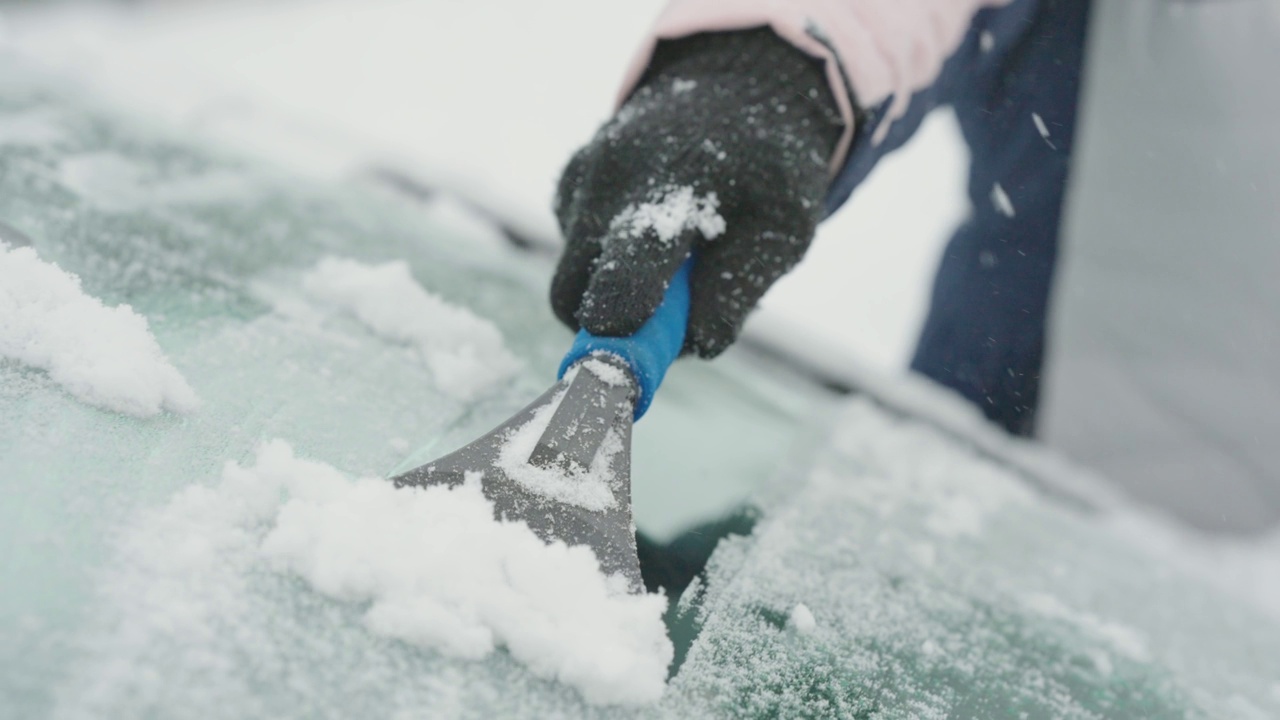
(654, 346)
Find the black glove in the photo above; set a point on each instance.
(723, 150)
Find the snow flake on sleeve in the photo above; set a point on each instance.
(1000, 199)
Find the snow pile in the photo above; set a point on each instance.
(585, 487)
(119, 183)
(1122, 638)
(1245, 568)
(802, 619)
(30, 129)
(437, 570)
(458, 219)
(103, 356)
(672, 212)
(464, 353)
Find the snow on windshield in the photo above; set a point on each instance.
(902, 575)
(104, 356)
(465, 353)
(898, 573)
(430, 567)
(586, 487)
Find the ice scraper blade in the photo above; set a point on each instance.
(573, 483)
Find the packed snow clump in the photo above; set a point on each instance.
(681, 85)
(588, 487)
(437, 570)
(104, 356)
(607, 372)
(465, 353)
(671, 212)
(802, 619)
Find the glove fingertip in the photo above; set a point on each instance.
(570, 281)
(566, 314)
(711, 331)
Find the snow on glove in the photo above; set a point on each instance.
(723, 151)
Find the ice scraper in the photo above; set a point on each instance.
(563, 463)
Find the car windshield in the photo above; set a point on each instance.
(889, 557)
(234, 268)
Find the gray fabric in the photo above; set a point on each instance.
(1165, 339)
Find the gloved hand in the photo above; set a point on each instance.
(723, 150)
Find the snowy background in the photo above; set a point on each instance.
(491, 98)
